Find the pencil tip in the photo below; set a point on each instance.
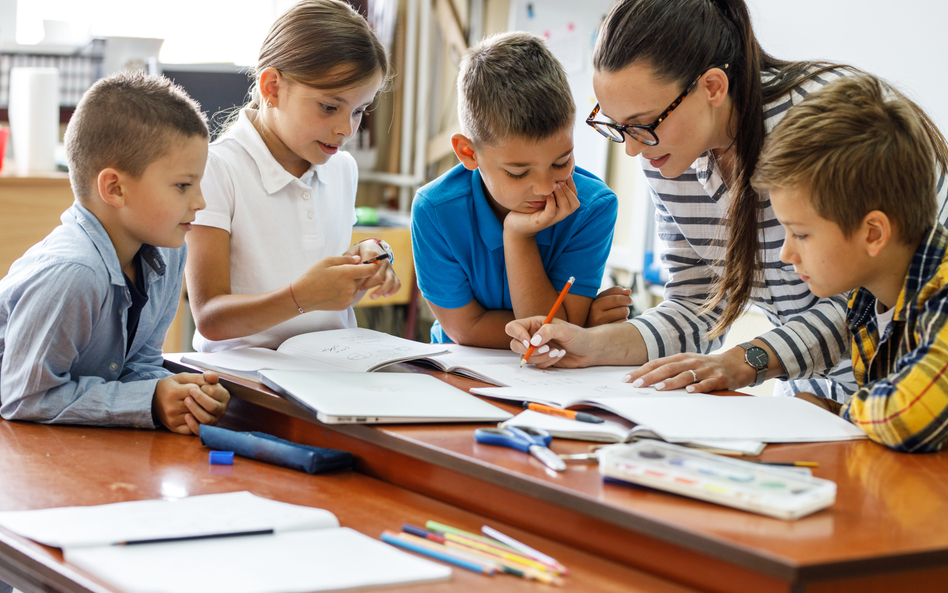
(523, 361)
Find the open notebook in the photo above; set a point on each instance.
(363, 350)
(615, 432)
(683, 419)
(307, 551)
(355, 349)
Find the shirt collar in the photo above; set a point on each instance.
(90, 224)
(491, 229)
(925, 263)
(272, 173)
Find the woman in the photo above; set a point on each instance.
(684, 84)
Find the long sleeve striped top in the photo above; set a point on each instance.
(810, 337)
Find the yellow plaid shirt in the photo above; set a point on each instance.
(902, 401)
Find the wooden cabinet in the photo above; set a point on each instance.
(31, 207)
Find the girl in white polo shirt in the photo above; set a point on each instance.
(270, 256)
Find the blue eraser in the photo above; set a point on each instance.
(222, 458)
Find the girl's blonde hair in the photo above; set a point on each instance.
(322, 44)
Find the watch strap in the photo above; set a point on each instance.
(762, 371)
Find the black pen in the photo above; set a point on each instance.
(184, 538)
(376, 258)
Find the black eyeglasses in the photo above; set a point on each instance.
(644, 133)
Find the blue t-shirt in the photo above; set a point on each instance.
(458, 243)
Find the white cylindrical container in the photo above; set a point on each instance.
(34, 118)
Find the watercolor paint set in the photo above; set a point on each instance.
(744, 485)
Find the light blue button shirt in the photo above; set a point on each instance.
(63, 308)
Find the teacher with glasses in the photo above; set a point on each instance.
(685, 85)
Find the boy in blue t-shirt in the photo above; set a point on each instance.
(497, 237)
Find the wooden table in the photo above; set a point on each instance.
(52, 466)
(888, 529)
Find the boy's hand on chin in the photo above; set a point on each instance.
(560, 204)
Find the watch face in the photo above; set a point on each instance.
(757, 357)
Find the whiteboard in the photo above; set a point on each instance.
(570, 33)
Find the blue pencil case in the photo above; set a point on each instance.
(266, 447)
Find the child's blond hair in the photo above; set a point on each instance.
(127, 121)
(511, 85)
(855, 146)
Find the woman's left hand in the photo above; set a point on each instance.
(696, 373)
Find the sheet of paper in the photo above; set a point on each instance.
(572, 385)
(324, 560)
(513, 375)
(356, 349)
(150, 519)
(767, 419)
(247, 361)
(467, 356)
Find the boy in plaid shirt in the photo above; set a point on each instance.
(851, 174)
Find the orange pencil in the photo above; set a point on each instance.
(549, 318)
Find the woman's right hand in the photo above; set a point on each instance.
(331, 283)
(567, 345)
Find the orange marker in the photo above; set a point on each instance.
(572, 414)
(549, 318)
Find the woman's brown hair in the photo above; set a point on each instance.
(680, 39)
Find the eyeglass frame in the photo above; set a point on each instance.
(623, 129)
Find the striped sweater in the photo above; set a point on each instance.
(810, 337)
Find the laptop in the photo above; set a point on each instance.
(379, 398)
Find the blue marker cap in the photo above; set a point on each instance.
(221, 458)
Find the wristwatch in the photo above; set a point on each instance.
(385, 247)
(756, 357)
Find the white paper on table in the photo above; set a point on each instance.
(151, 519)
(574, 392)
(322, 560)
(766, 419)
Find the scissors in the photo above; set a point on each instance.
(529, 440)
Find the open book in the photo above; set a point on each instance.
(683, 419)
(502, 368)
(306, 549)
(356, 349)
(614, 432)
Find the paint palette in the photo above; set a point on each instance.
(768, 490)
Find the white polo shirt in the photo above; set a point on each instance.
(279, 224)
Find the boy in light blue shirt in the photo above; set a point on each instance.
(498, 236)
(84, 313)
